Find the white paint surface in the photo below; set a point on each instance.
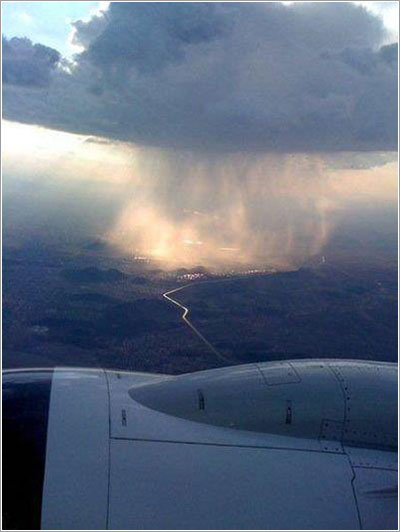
(182, 486)
(76, 476)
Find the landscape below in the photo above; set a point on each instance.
(87, 307)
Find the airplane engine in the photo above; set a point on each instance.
(300, 444)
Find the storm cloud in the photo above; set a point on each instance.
(219, 77)
(27, 64)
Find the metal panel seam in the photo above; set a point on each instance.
(152, 440)
(354, 490)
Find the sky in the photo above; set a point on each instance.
(48, 23)
(211, 126)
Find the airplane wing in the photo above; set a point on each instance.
(293, 445)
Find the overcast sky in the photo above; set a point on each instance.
(245, 77)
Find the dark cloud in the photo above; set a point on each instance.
(147, 37)
(96, 140)
(390, 53)
(27, 64)
(236, 77)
